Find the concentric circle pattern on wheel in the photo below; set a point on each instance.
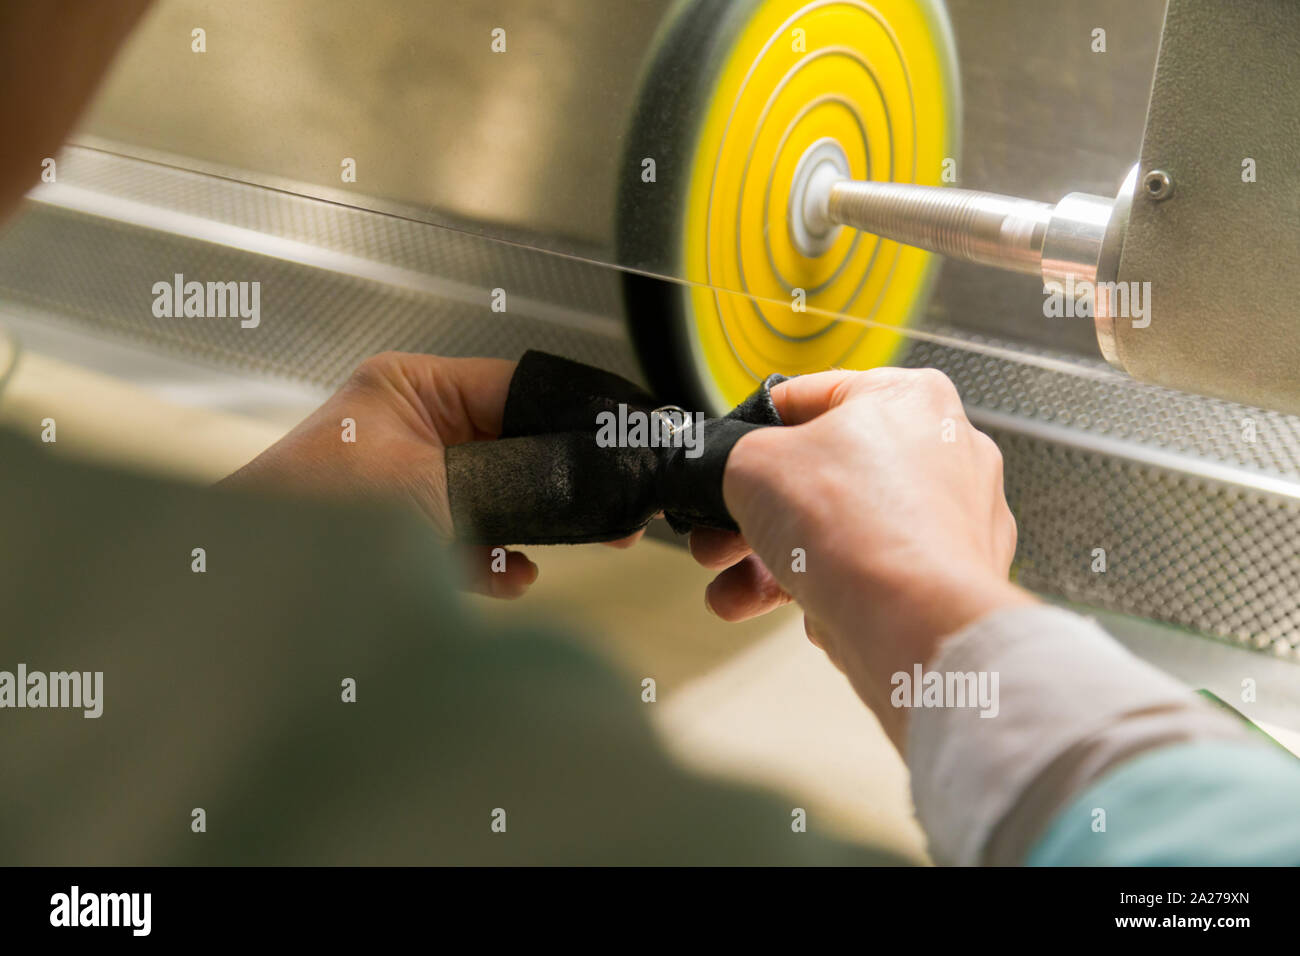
(875, 77)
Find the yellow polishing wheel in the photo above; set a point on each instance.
(742, 104)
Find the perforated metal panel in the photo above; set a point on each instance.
(1088, 396)
(337, 283)
(1198, 524)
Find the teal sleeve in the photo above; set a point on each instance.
(1194, 804)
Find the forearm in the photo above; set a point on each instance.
(1073, 707)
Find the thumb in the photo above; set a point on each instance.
(804, 397)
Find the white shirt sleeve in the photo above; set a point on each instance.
(1072, 703)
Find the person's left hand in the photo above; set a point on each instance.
(383, 435)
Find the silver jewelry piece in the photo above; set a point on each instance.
(672, 426)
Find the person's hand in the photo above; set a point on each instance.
(383, 436)
(880, 509)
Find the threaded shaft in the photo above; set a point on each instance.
(971, 226)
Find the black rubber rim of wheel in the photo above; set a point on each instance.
(680, 77)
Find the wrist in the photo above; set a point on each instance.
(936, 614)
(911, 609)
(896, 634)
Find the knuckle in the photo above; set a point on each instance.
(847, 387)
(1011, 534)
(887, 383)
(989, 446)
(373, 370)
(385, 359)
(934, 382)
(871, 379)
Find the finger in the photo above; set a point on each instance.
(627, 542)
(634, 537)
(743, 591)
(717, 549)
(516, 577)
(804, 397)
(1009, 537)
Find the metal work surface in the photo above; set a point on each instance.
(341, 283)
(1217, 249)
(1197, 521)
(1043, 116)
(472, 185)
(529, 145)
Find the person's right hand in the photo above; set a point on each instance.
(896, 501)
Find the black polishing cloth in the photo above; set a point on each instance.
(546, 480)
